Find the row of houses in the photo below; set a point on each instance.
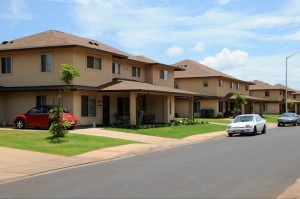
(114, 84)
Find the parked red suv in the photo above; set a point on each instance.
(39, 117)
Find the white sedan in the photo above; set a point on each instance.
(247, 124)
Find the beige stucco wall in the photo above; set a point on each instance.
(2, 113)
(154, 76)
(275, 95)
(26, 68)
(181, 108)
(210, 104)
(272, 108)
(213, 88)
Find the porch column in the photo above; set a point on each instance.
(132, 105)
(191, 108)
(167, 108)
(243, 108)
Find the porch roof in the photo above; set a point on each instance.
(248, 98)
(293, 101)
(120, 85)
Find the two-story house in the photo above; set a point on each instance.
(112, 83)
(218, 88)
(274, 96)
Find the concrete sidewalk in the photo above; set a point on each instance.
(16, 164)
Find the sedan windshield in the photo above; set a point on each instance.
(246, 118)
(288, 115)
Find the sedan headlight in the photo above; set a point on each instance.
(228, 127)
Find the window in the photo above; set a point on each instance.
(164, 74)
(247, 87)
(267, 93)
(6, 65)
(221, 107)
(176, 84)
(220, 83)
(196, 107)
(41, 100)
(116, 68)
(265, 107)
(46, 63)
(88, 106)
(205, 83)
(136, 72)
(93, 62)
(237, 86)
(231, 85)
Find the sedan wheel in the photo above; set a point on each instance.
(254, 131)
(20, 124)
(264, 130)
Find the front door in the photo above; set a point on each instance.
(106, 110)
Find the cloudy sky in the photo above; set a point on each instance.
(248, 39)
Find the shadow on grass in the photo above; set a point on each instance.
(54, 140)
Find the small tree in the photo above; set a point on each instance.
(239, 100)
(58, 128)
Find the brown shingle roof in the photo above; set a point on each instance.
(54, 38)
(127, 85)
(195, 69)
(260, 85)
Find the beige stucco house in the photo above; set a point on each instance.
(218, 89)
(274, 96)
(112, 84)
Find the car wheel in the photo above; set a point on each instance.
(20, 124)
(264, 130)
(279, 125)
(230, 134)
(254, 131)
(295, 123)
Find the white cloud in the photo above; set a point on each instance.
(226, 59)
(199, 47)
(293, 37)
(175, 50)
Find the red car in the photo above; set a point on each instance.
(39, 117)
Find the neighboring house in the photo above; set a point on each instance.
(218, 88)
(274, 96)
(113, 85)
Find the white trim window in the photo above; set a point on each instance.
(237, 86)
(176, 84)
(205, 83)
(88, 106)
(136, 72)
(220, 83)
(164, 74)
(231, 85)
(41, 100)
(6, 65)
(46, 63)
(93, 62)
(116, 68)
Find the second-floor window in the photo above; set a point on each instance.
(238, 86)
(176, 84)
(136, 72)
(164, 74)
(116, 68)
(46, 63)
(220, 83)
(231, 85)
(247, 87)
(205, 83)
(6, 65)
(267, 93)
(93, 62)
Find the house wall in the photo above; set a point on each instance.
(181, 108)
(272, 108)
(2, 113)
(210, 104)
(275, 95)
(213, 88)
(23, 101)
(26, 68)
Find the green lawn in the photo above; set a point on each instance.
(176, 132)
(214, 120)
(271, 118)
(71, 145)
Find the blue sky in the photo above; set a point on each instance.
(248, 39)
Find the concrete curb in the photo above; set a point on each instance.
(292, 192)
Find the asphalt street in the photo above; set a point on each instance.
(233, 167)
